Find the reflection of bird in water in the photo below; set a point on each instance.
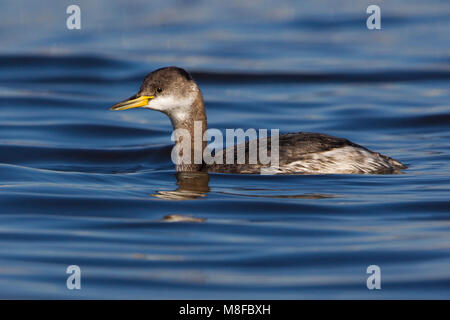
(191, 185)
(194, 185)
(172, 91)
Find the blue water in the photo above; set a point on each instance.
(81, 185)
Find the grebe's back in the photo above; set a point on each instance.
(315, 153)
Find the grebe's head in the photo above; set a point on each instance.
(170, 90)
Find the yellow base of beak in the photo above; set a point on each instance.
(132, 103)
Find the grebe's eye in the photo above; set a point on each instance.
(159, 90)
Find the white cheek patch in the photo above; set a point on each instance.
(175, 106)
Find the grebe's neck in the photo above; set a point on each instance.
(192, 121)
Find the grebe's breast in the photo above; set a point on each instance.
(312, 153)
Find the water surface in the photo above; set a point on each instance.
(81, 185)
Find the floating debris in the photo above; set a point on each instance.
(181, 218)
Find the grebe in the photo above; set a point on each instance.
(172, 91)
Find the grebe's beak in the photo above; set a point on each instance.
(133, 102)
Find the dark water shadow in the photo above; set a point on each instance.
(284, 196)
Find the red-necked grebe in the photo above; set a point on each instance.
(172, 91)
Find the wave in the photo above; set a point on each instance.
(70, 65)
